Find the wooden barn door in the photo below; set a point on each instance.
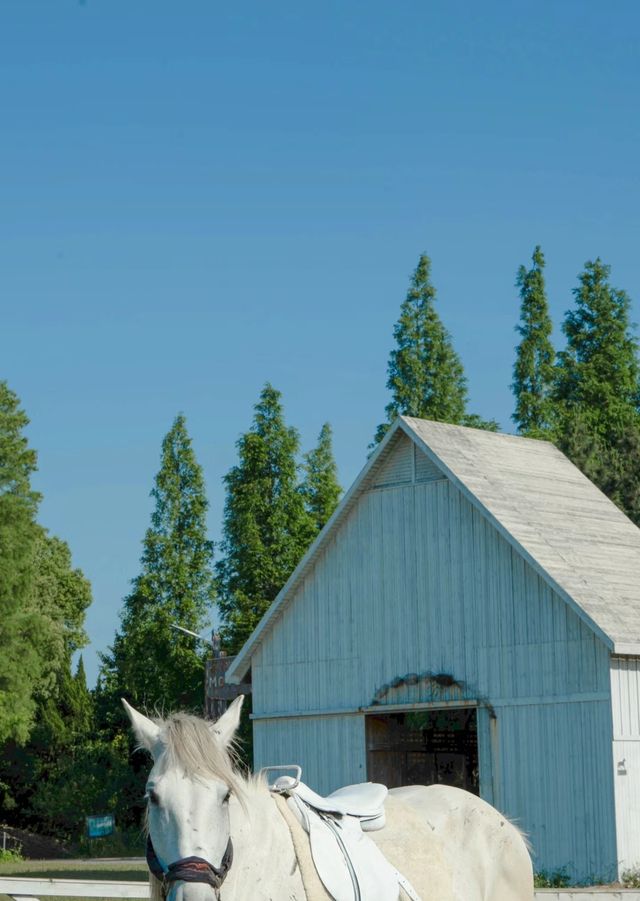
(424, 747)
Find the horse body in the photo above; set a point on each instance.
(451, 845)
(465, 847)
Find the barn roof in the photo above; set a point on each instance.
(578, 541)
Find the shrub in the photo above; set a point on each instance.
(556, 879)
(631, 878)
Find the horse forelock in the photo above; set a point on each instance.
(190, 743)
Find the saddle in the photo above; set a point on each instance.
(364, 802)
(349, 864)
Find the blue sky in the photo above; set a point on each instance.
(198, 197)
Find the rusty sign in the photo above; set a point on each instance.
(218, 692)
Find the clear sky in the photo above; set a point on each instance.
(198, 196)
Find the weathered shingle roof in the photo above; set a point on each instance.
(567, 529)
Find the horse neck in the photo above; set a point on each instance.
(263, 852)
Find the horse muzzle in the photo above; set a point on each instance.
(190, 869)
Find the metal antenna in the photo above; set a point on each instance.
(189, 632)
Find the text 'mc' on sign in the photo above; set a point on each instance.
(218, 693)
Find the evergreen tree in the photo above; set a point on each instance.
(80, 702)
(533, 371)
(266, 528)
(597, 373)
(61, 595)
(597, 389)
(425, 374)
(22, 628)
(320, 488)
(150, 662)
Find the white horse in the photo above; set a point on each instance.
(215, 835)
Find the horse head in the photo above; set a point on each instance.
(189, 849)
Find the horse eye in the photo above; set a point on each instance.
(152, 797)
(226, 798)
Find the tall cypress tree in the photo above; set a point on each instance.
(266, 527)
(320, 487)
(597, 373)
(533, 371)
(150, 662)
(425, 374)
(597, 389)
(22, 628)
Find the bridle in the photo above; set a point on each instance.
(190, 869)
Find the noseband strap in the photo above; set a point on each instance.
(190, 869)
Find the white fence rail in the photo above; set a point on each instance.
(587, 894)
(29, 889)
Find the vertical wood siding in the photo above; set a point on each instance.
(337, 743)
(625, 702)
(416, 581)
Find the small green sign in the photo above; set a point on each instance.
(97, 826)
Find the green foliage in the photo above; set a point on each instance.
(474, 421)
(150, 663)
(42, 598)
(266, 527)
(533, 371)
(597, 389)
(613, 464)
(320, 487)
(425, 374)
(122, 843)
(631, 878)
(93, 777)
(69, 769)
(597, 373)
(10, 855)
(555, 879)
(23, 657)
(61, 596)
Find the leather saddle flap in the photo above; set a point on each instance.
(365, 800)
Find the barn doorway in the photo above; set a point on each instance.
(424, 747)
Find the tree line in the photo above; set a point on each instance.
(67, 750)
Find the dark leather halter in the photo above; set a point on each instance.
(190, 869)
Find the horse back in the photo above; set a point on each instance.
(453, 846)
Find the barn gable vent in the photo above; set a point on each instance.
(404, 465)
(397, 469)
(425, 470)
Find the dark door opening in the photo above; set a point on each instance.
(424, 747)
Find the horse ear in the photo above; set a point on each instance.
(146, 730)
(228, 723)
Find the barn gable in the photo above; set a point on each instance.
(574, 538)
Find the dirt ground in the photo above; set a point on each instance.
(35, 847)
